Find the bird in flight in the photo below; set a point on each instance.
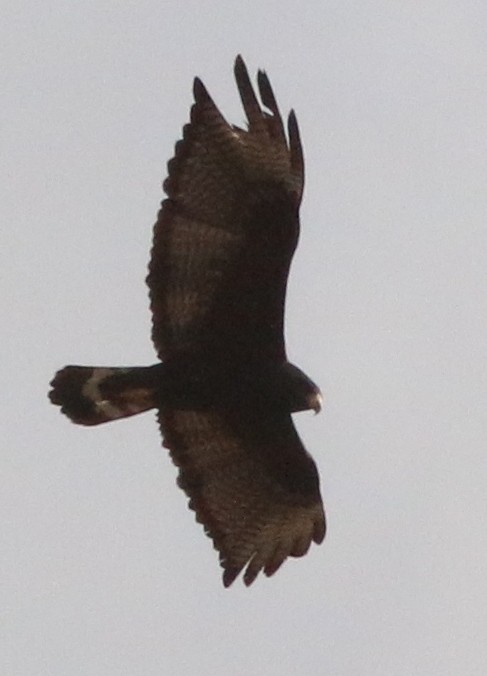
(224, 389)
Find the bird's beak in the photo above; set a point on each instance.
(316, 402)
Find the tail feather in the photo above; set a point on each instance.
(91, 395)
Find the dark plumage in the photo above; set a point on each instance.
(223, 244)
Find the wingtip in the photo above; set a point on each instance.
(293, 120)
(295, 145)
(229, 576)
(250, 576)
(199, 90)
(241, 72)
(239, 62)
(262, 80)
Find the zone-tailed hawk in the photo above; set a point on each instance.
(224, 389)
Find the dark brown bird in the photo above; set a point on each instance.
(224, 389)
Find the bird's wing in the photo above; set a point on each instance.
(224, 238)
(251, 484)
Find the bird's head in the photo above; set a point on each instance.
(299, 391)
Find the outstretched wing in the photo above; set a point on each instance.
(224, 238)
(251, 484)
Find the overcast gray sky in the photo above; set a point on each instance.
(103, 570)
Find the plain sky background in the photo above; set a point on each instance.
(104, 571)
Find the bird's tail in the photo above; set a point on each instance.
(90, 395)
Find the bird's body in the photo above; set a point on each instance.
(224, 389)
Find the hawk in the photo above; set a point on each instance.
(223, 389)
